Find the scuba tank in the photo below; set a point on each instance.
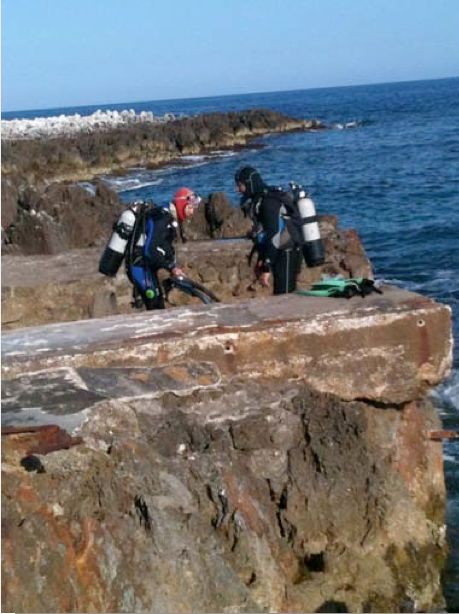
(113, 254)
(313, 249)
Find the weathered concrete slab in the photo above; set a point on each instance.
(388, 348)
(210, 452)
(64, 395)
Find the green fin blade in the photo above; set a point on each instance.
(339, 283)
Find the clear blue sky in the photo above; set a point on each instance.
(58, 53)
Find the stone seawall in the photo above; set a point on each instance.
(40, 289)
(267, 456)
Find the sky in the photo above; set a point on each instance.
(64, 53)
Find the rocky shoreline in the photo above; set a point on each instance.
(44, 212)
(44, 216)
(84, 156)
(264, 454)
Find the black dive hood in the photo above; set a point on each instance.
(254, 184)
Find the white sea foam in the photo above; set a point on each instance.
(222, 153)
(126, 184)
(192, 158)
(446, 395)
(450, 459)
(200, 159)
(346, 126)
(63, 125)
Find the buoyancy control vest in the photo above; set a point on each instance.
(151, 243)
(289, 234)
(299, 224)
(144, 235)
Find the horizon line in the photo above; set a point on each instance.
(135, 102)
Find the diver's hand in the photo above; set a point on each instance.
(262, 273)
(178, 272)
(264, 279)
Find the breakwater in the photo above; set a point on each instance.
(303, 480)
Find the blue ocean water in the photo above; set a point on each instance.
(388, 167)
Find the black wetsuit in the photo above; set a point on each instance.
(283, 261)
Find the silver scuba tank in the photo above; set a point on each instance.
(313, 249)
(113, 254)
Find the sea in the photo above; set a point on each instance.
(387, 165)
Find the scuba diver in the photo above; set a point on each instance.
(276, 231)
(145, 235)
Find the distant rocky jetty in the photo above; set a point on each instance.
(37, 173)
(66, 125)
(113, 148)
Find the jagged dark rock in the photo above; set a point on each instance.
(63, 217)
(10, 197)
(216, 218)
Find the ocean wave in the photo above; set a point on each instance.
(450, 459)
(348, 125)
(127, 184)
(194, 158)
(140, 177)
(223, 154)
(446, 395)
(208, 157)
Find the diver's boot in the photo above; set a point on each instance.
(137, 301)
